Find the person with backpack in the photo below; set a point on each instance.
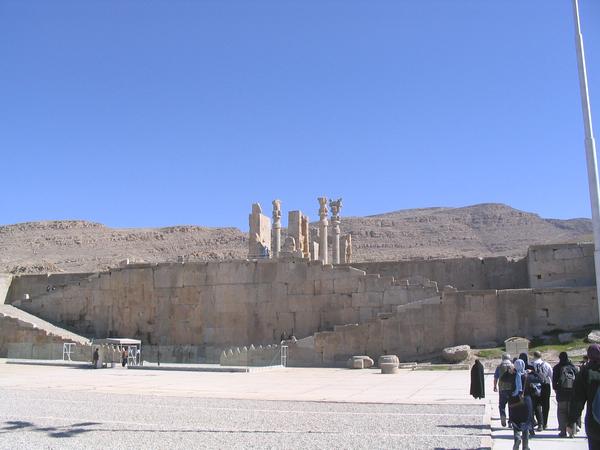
(585, 390)
(543, 370)
(563, 379)
(503, 384)
(520, 406)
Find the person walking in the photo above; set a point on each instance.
(520, 407)
(585, 390)
(544, 371)
(563, 380)
(503, 384)
(477, 380)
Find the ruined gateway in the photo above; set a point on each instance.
(192, 312)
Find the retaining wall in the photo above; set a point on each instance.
(561, 265)
(461, 273)
(217, 305)
(40, 284)
(422, 329)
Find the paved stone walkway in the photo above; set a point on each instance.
(74, 407)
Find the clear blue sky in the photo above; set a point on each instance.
(154, 113)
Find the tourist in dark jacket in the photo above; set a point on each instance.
(563, 378)
(584, 390)
(520, 409)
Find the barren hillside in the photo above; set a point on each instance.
(479, 230)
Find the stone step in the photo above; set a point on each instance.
(36, 322)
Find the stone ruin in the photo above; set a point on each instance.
(259, 238)
(192, 311)
(265, 242)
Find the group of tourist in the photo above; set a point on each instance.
(525, 387)
(96, 357)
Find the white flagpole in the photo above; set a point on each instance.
(590, 146)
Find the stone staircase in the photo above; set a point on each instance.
(30, 321)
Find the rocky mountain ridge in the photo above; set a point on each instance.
(478, 230)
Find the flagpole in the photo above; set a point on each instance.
(590, 146)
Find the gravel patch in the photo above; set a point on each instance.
(58, 419)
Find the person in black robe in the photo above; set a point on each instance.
(477, 380)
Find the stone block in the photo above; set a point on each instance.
(119, 279)
(194, 274)
(456, 354)
(594, 337)
(141, 278)
(388, 368)
(355, 363)
(388, 359)
(323, 287)
(301, 303)
(365, 313)
(568, 253)
(294, 271)
(168, 276)
(235, 272)
(359, 362)
(375, 283)
(345, 285)
(396, 295)
(303, 288)
(266, 271)
(104, 281)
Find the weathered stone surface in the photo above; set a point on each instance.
(388, 359)
(388, 368)
(456, 354)
(355, 363)
(360, 362)
(594, 337)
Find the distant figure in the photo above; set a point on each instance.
(477, 380)
(520, 406)
(124, 357)
(585, 390)
(523, 357)
(503, 384)
(96, 357)
(563, 380)
(544, 371)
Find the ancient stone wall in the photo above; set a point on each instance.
(420, 329)
(217, 305)
(561, 265)
(5, 282)
(36, 285)
(461, 273)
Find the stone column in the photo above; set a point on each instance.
(335, 207)
(276, 241)
(323, 229)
